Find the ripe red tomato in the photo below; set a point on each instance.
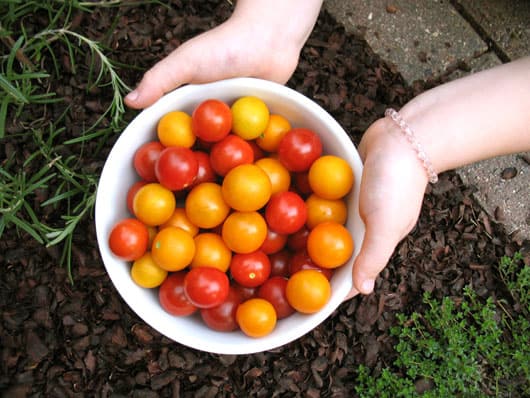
(206, 287)
(131, 192)
(176, 167)
(230, 152)
(244, 292)
(172, 297)
(145, 158)
(274, 242)
(273, 290)
(286, 212)
(298, 240)
(223, 316)
(299, 148)
(301, 260)
(128, 239)
(250, 269)
(280, 263)
(205, 171)
(212, 120)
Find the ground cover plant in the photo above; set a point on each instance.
(455, 282)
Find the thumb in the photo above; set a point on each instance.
(163, 77)
(375, 252)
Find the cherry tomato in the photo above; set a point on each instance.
(246, 188)
(205, 171)
(258, 152)
(273, 290)
(280, 263)
(301, 260)
(276, 128)
(299, 148)
(146, 273)
(223, 316)
(279, 176)
(298, 240)
(274, 242)
(206, 287)
(286, 212)
(308, 291)
(174, 129)
(244, 292)
(176, 167)
(256, 317)
(205, 206)
(131, 192)
(211, 120)
(172, 297)
(154, 204)
(145, 158)
(128, 239)
(230, 152)
(330, 244)
(301, 184)
(330, 177)
(320, 210)
(211, 251)
(173, 249)
(180, 219)
(250, 269)
(250, 116)
(244, 232)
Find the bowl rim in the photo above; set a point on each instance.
(151, 114)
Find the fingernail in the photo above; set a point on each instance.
(132, 96)
(368, 285)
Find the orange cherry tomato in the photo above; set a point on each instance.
(307, 291)
(330, 244)
(246, 188)
(153, 204)
(330, 177)
(174, 129)
(173, 249)
(320, 210)
(256, 317)
(146, 273)
(279, 176)
(277, 127)
(180, 219)
(211, 251)
(244, 232)
(205, 206)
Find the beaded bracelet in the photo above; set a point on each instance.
(422, 156)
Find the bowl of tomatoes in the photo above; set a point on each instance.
(227, 215)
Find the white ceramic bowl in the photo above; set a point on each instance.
(118, 175)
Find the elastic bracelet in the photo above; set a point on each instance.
(422, 156)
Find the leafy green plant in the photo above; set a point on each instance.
(467, 347)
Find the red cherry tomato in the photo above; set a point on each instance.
(280, 263)
(250, 269)
(128, 239)
(301, 260)
(172, 297)
(223, 316)
(206, 287)
(230, 152)
(273, 290)
(299, 148)
(212, 120)
(286, 212)
(145, 158)
(301, 184)
(274, 242)
(131, 192)
(298, 240)
(244, 292)
(205, 172)
(176, 167)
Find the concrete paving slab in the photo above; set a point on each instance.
(505, 22)
(422, 38)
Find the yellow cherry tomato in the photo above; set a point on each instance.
(180, 219)
(205, 206)
(244, 232)
(154, 204)
(320, 210)
(277, 127)
(246, 188)
(146, 273)
(279, 176)
(250, 116)
(211, 251)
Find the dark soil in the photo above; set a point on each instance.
(60, 339)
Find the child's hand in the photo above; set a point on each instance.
(392, 188)
(262, 38)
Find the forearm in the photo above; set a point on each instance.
(291, 20)
(480, 116)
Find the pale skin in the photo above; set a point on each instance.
(470, 119)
